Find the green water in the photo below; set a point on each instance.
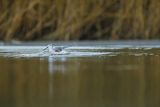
(126, 75)
(128, 79)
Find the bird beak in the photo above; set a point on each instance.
(45, 48)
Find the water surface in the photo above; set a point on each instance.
(92, 75)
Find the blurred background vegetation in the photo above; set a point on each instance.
(79, 19)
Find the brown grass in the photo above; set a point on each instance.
(79, 19)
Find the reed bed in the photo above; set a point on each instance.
(79, 19)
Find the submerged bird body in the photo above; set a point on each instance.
(55, 49)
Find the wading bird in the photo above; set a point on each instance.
(55, 49)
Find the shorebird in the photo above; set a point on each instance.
(55, 49)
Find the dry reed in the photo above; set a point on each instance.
(79, 19)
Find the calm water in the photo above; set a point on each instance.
(125, 76)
